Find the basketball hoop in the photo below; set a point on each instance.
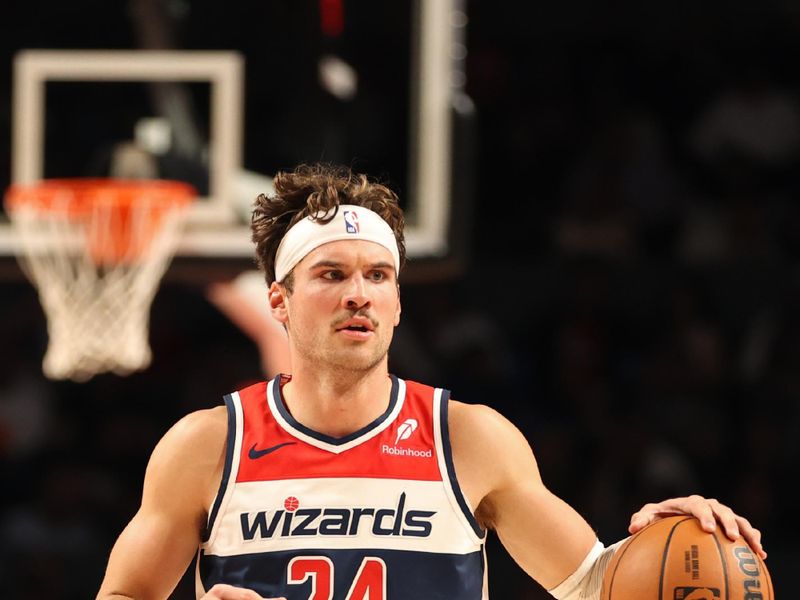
(96, 249)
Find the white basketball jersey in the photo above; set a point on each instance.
(375, 515)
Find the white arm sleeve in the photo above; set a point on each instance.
(587, 580)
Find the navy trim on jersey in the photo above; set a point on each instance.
(278, 397)
(451, 471)
(226, 473)
(423, 575)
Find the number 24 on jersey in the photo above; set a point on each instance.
(369, 582)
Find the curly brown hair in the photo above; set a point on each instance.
(312, 189)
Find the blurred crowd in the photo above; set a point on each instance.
(628, 299)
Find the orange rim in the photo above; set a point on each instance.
(78, 195)
(115, 231)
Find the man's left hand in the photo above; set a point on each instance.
(708, 511)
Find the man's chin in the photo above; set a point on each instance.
(357, 359)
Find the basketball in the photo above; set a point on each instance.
(674, 559)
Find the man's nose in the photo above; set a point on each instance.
(356, 294)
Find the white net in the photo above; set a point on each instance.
(96, 257)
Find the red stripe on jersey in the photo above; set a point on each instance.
(383, 456)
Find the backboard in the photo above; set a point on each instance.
(216, 83)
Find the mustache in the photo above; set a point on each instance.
(363, 315)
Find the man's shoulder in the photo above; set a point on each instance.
(488, 450)
(184, 469)
(203, 421)
(472, 425)
(198, 430)
(470, 415)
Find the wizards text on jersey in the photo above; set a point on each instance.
(334, 521)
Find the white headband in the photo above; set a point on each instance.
(350, 223)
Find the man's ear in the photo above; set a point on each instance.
(277, 302)
(399, 309)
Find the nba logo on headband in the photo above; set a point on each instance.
(351, 221)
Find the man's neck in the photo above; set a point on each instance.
(337, 404)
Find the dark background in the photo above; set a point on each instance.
(626, 273)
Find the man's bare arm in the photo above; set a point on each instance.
(498, 472)
(155, 548)
(546, 537)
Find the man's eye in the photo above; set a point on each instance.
(378, 276)
(333, 275)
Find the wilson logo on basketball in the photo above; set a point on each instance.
(748, 566)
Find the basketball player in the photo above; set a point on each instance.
(342, 481)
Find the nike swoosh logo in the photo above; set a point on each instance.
(254, 454)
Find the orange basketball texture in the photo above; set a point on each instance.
(674, 559)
